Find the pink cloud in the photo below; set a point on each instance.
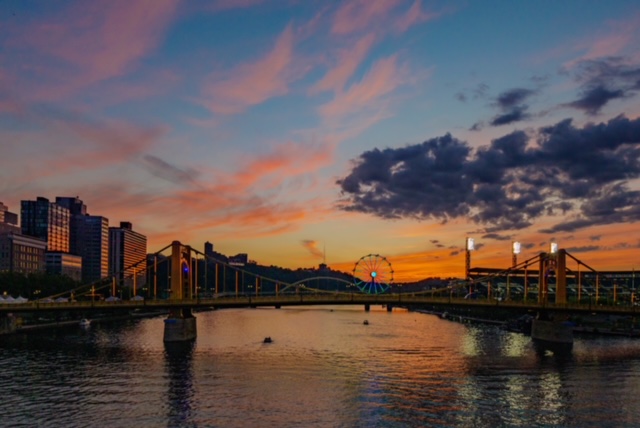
(617, 36)
(253, 83)
(384, 78)
(92, 41)
(348, 61)
(358, 15)
(414, 15)
(622, 34)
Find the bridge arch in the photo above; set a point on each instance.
(295, 285)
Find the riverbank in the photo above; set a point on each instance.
(20, 327)
(592, 325)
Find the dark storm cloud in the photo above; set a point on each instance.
(593, 99)
(604, 80)
(582, 174)
(496, 237)
(513, 98)
(512, 105)
(476, 126)
(393, 183)
(514, 115)
(165, 170)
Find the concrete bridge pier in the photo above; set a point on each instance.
(367, 307)
(180, 326)
(552, 331)
(389, 308)
(7, 324)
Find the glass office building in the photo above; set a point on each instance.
(48, 221)
(127, 255)
(89, 238)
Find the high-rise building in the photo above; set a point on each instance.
(127, 255)
(22, 254)
(89, 238)
(48, 221)
(8, 220)
(64, 264)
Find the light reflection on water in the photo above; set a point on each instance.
(325, 368)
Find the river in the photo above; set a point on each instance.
(324, 368)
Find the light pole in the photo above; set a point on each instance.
(469, 246)
(515, 249)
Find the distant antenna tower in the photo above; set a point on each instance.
(324, 253)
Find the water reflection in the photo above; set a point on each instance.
(180, 390)
(324, 368)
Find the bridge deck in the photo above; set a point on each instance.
(315, 299)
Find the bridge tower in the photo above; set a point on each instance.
(180, 325)
(548, 330)
(556, 262)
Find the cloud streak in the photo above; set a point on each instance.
(91, 42)
(252, 83)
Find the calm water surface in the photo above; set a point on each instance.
(323, 369)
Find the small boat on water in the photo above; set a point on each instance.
(267, 340)
(84, 322)
(366, 322)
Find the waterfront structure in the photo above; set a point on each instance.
(60, 263)
(127, 256)
(89, 238)
(21, 254)
(48, 221)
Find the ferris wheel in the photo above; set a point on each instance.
(373, 274)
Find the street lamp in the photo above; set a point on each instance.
(470, 246)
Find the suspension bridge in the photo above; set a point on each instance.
(186, 279)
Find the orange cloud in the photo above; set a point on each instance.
(285, 161)
(312, 247)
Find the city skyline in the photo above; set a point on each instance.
(303, 131)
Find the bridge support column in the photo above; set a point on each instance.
(180, 326)
(367, 308)
(552, 332)
(7, 324)
(389, 308)
(561, 277)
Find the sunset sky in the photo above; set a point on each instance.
(295, 130)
